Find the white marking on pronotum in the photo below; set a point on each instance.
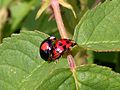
(49, 48)
(52, 37)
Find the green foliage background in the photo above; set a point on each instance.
(96, 31)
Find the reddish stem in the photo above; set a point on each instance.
(61, 28)
(71, 62)
(56, 10)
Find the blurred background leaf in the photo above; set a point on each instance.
(42, 24)
(18, 10)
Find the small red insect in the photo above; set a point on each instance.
(60, 47)
(52, 49)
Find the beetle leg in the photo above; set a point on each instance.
(56, 61)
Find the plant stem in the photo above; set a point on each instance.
(56, 10)
(71, 62)
(61, 28)
(3, 18)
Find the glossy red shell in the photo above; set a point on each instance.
(60, 47)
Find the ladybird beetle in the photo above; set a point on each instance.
(46, 47)
(60, 47)
(52, 48)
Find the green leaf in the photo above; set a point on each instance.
(99, 27)
(89, 77)
(97, 78)
(20, 62)
(21, 68)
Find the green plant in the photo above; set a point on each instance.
(96, 29)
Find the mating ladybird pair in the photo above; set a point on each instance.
(52, 49)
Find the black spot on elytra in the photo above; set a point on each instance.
(55, 47)
(73, 44)
(60, 44)
(64, 47)
(57, 51)
(67, 42)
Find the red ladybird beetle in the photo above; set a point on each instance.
(52, 49)
(46, 47)
(60, 47)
